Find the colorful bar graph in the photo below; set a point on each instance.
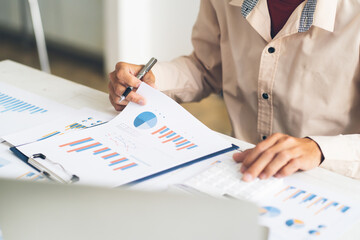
(106, 154)
(171, 136)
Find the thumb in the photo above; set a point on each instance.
(240, 156)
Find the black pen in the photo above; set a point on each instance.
(142, 72)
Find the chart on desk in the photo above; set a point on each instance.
(13, 170)
(81, 119)
(168, 126)
(11, 167)
(112, 158)
(140, 141)
(304, 213)
(20, 109)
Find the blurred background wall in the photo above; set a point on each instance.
(85, 39)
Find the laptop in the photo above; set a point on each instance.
(42, 210)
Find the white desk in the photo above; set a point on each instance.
(79, 96)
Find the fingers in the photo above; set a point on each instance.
(269, 156)
(293, 166)
(122, 78)
(280, 155)
(260, 148)
(282, 159)
(267, 149)
(114, 98)
(240, 156)
(136, 98)
(149, 79)
(125, 74)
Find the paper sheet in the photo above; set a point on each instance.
(21, 110)
(13, 168)
(300, 210)
(165, 181)
(79, 120)
(140, 141)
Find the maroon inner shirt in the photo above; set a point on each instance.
(280, 11)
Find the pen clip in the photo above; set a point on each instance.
(70, 178)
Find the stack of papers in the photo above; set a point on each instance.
(26, 117)
(141, 142)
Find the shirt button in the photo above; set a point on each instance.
(264, 137)
(265, 96)
(271, 50)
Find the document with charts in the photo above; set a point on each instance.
(11, 167)
(302, 210)
(139, 142)
(295, 207)
(78, 120)
(20, 110)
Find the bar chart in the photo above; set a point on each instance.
(11, 104)
(111, 158)
(83, 124)
(309, 200)
(166, 135)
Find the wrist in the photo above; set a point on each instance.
(321, 158)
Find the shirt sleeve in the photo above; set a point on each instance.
(341, 153)
(191, 78)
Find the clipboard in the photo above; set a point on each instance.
(49, 169)
(56, 172)
(151, 140)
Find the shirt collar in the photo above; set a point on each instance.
(320, 13)
(325, 14)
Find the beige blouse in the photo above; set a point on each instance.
(304, 82)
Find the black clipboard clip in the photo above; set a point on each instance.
(51, 170)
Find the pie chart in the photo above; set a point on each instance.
(294, 223)
(314, 232)
(269, 211)
(145, 120)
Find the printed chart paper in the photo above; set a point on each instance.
(302, 211)
(79, 120)
(140, 141)
(11, 167)
(20, 110)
